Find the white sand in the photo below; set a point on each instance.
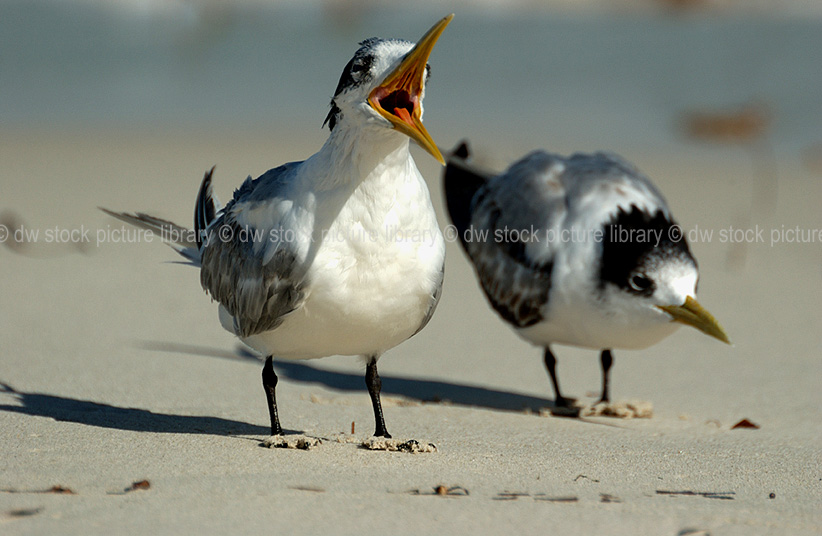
(115, 358)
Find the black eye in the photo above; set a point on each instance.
(361, 65)
(640, 284)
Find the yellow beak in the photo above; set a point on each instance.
(398, 97)
(693, 314)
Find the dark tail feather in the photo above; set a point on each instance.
(206, 209)
(461, 182)
(177, 237)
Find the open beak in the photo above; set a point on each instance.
(693, 314)
(398, 97)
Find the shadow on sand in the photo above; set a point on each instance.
(118, 418)
(421, 390)
(141, 420)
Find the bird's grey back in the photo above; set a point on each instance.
(543, 188)
(267, 186)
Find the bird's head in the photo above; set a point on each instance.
(647, 268)
(384, 85)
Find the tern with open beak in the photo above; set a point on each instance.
(339, 254)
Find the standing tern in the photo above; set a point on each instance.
(339, 254)
(581, 251)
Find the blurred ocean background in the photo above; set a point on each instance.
(566, 75)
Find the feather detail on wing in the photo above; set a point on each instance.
(510, 219)
(249, 264)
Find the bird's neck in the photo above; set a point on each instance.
(352, 156)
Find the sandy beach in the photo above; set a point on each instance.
(126, 408)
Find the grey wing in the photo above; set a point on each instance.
(257, 287)
(511, 250)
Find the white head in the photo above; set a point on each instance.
(648, 273)
(384, 84)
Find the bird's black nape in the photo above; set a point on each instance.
(357, 71)
(334, 115)
(461, 183)
(634, 240)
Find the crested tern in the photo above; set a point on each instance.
(579, 251)
(340, 254)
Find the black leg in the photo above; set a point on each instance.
(551, 364)
(269, 384)
(606, 359)
(374, 384)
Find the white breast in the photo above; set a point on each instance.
(373, 275)
(579, 314)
